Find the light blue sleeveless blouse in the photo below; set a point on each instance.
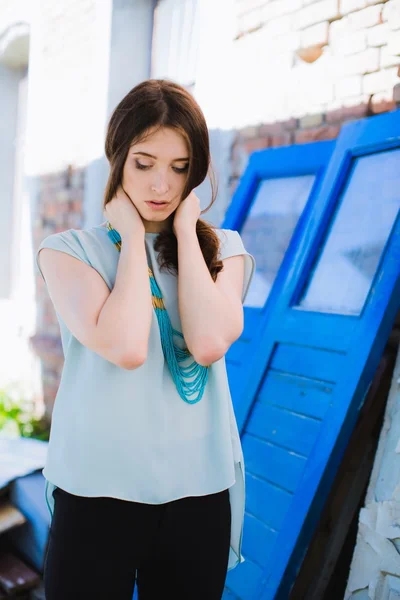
(128, 434)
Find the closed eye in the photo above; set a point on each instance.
(179, 170)
(142, 167)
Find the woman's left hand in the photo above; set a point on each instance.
(187, 214)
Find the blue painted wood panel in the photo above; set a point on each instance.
(300, 394)
(258, 535)
(266, 501)
(270, 165)
(285, 466)
(299, 385)
(300, 359)
(283, 428)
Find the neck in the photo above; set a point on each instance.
(157, 227)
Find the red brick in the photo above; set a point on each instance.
(279, 128)
(76, 206)
(346, 113)
(383, 102)
(290, 125)
(396, 93)
(309, 121)
(256, 144)
(271, 129)
(285, 139)
(328, 132)
(248, 133)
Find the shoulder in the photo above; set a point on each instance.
(73, 238)
(230, 243)
(75, 242)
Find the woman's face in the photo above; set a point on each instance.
(154, 176)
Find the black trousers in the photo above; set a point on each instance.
(99, 546)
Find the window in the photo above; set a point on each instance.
(341, 279)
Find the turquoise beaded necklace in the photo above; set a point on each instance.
(191, 379)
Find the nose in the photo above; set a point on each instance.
(160, 184)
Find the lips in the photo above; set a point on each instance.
(156, 204)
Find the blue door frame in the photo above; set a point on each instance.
(309, 371)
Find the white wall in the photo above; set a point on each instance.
(375, 568)
(9, 86)
(129, 47)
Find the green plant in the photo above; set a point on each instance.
(18, 418)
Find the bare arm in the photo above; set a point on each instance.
(116, 325)
(211, 312)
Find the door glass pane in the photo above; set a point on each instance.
(343, 274)
(268, 229)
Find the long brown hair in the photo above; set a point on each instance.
(160, 103)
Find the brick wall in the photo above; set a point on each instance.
(354, 51)
(60, 198)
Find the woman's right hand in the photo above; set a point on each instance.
(123, 215)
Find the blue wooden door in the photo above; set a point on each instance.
(331, 314)
(269, 208)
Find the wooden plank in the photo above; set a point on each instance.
(245, 579)
(266, 502)
(283, 428)
(229, 595)
(258, 540)
(301, 394)
(278, 465)
(316, 363)
(338, 329)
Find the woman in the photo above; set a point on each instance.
(144, 474)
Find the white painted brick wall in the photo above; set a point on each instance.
(391, 14)
(362, 62)
(378, 35)
(380, 81)
(348, 86)
(348, 6)
(389, 57)
(315, 35)
(323, 10)
(368, 17)
(349, 43)
(360, 42)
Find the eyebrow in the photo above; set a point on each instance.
(155, 157)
